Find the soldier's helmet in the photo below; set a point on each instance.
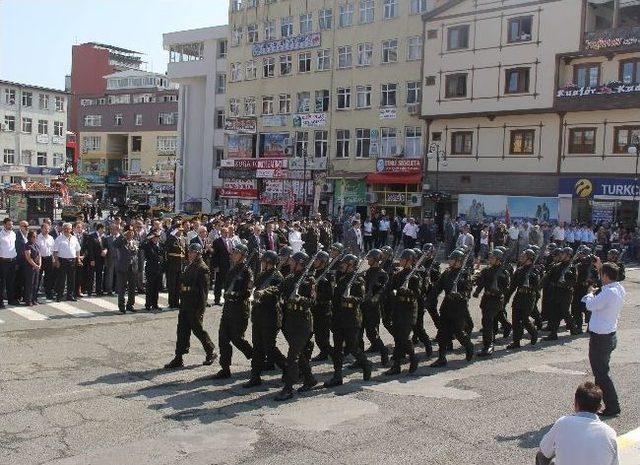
(349, 259)
(195, 247)
(241, 248)
(534, 247)
(497, 253)
(502, 248)
(407, 254)
(322, 257)
(428, 247)
(530, 254)
(568, 251)
(614, 253)
(456, 255)
(584, 250)
(285, 252)
(552, 246)
(300, 257)
(375, 254)
(270, 256)
(337, 246)
(387, 250)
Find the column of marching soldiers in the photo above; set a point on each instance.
(334, 293)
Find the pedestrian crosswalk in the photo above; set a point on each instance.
(28, 314)
(69, 309)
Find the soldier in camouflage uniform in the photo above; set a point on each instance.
(321, 308)
(525, 282)
(561, 278)
(375, 280)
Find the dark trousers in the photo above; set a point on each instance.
(600, 348)
(30, 284)
(109, 277)
(263, 338)
(322, 329)
(559, 309)
(97, 277)
(368, 243)
(452, 325)
(419, 333)
(47, 276)
(371, 327)
(126, 283)
(521, 321)
(7, 277)
(402, 342)
(409, 242)
(345, 341)
(18, 284)
(152, 289)
(231, 331)
(579, 311)
(173, 288)
(381, 239)
(89, 273)
(541, 459)
(298, 355)
(490, 310)
(66, 276)
(217, 288)
(190, 321)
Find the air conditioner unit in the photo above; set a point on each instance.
(415, 200)
(371, 197)
(327, 188)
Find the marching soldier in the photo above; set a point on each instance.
(547, 291)
(266, 318)
(524, 284)
(175, 252)
(432, 266)
(586, 276)
(284, 266)
(456, 284)
(613, 256)
(494, 280)
(235, 311)
(539, 268)
(389, 267)
(336, 251)
(562, 279)
(194, 293)
(321, 308)
(403, 291)
(154, 258)
(419, 333)
(375, 280)
(347, 320)
(387, 260)
(501, 319)
(297, 295)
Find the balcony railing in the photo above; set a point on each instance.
(616, 38)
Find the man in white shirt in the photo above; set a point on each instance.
(66, 252)
(45, 241)
(558, 234)
(7, 261)
(410, 232)
(466, 238)
(513, 232)
(605, 310)
(580, 439)
(383, 230)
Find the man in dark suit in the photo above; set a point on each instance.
(96, 254)
(110, 259)
(154, 258)
(353, 239)
(254, 244)
(82, 271)
(21, 261)
(221, 261)
(127, 269)
(269, 238)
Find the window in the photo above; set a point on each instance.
(59, 103)
(344, 98)
(304, 62)
(324, 59)
(388, 142)
(221, 83)
(630, 71)
(58, 128)
(286, 26)
(582, 140)
(41, 159)
(322, 100)
(87, 102)
(521, 142)
(43, 101)
(168, 118)
(363, 97)
(136, 143)
(516, 81)
(461, 142)
(269, 30)
(325, 19)
(306, 23)
(91, 143)
(390, 51)
(235, 72)
(342, 143)
(414, 93)
(458, 37)
(144, 98)
(219, 155)
(222, 49)
(388, 97)
(456, 85)
(252, 33)
(267, 105)
(367, 11)
(363, 142)
(304, 102)
(623, 136)
(118, 99)
(234, 107)
(520, 29)
(587, 75)
(138, 119)
(118, 120)
(284, 104)
(321, 143)
(236, 5)
(250, 70)
(58, 160)
(101, 101)
(414, 48)
(26, 157)
(167, 143)
(390, 9)
(268, 67)
(27, 125)
(27, 99)
(10, 122)
(220, 118)
(9, 156)
(236, 35)
(302, 143)
(365, 54)
(346, 15)
(344, 56)
(413, 141)
(286, 65)
(418, 6)
(250, 106)
(10, 96)
(43, 126)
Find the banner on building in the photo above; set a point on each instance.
(274, 121)
(353, 191)
(309, 120)
(275, 145)
(236, 173)
(600, 188)
(287, 44)
(399, 165)
(241, 125)
(313, 164)
(388, 113)
(602, 212)
(477, 208)
(239, 188)
(239, 146)
(374, 147)
(617, 89)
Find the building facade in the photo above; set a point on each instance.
(129, 132)
(33, 128)
(527, 102)
(323, 105)
(197, 62)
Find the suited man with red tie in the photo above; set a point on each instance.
(221, 261)
(269, 238)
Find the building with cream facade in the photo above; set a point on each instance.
(534, 103)
(323, 105)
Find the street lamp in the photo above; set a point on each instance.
(634, 149)
(435, 151)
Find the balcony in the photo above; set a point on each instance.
(613, 39)
(611, 96)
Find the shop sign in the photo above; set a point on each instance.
(309, 120)
(12, 169)
(274, 121)
(613, 38)
(353, 191)
(286, 44)
(239, 146)
(271, 173)
(93, 178)
(231, 173)
(275, 145)
(44, 171)
(239, 188)
(611, 89)
(388, 113)
(59, 140)
(313, 164)
(604, 188)
(602, 212)
(42, 138)
(399, 165)
(395, 197)
(241, 125)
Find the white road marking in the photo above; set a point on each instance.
(103, 303)
(70, 309)
(1, 322)
(28, 313)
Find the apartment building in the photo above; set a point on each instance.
(323, 105)
(528, 102)
(129, 133)
(197, 62)
(33, 126)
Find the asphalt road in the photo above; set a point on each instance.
(83, 386)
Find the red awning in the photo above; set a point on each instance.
(381, 178)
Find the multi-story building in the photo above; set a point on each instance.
(130, 130)
(33, 127)
(531, 108)
(197, 62)
(325, 97)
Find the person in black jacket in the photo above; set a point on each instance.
(96, 254)
(127, 269)
(221, 261)
(154, 258)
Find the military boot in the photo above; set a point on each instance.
(486, 351)
(224, 373)
(384, 356)
(394, 370)
(413, 363)
(285, 394)
(440, 362)
(175, 363)
(253, 382)
(336, 380)
(210, 358)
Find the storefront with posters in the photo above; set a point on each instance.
(396, 187)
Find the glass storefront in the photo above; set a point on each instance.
(398, 199)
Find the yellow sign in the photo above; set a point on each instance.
(584, 187)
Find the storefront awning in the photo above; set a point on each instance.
(382, 178)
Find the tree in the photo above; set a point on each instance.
(77, 184)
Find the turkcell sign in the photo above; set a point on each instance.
(600, 188)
